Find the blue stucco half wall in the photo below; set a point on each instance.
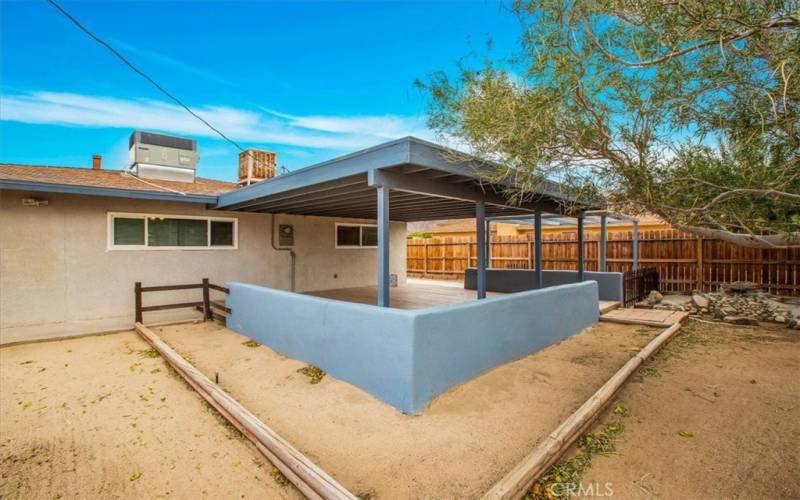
(408, 357)
(609, 285)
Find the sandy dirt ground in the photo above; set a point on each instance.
(96, 418)
(715, 415)
(465, 441)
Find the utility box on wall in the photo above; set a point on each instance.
(286, 235)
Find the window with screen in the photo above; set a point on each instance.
(221, 233)
(356, 236)
(128, 231)
(145, 231)
(369, 236)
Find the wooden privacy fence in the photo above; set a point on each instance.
(683, 262)
(211, 309)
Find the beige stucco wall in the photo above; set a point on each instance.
(57, 277)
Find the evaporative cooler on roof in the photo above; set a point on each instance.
(162, 157)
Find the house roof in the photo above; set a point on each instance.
(427, 182)
(107, 182)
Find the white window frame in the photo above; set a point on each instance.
(110, 246)
(360, 230)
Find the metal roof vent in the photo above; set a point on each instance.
(162, 157)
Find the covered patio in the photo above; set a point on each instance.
(404, 180)
(423, 338)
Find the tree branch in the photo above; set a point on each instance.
(777, 23)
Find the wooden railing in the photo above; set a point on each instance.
(211, 309)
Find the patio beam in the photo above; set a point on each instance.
(414, 184)
(417, 203)
(480, 229)
(321, 198)
(455, 212)
(383, 246)
(364, 197)
(581, 260)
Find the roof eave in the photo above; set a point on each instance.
(48, 187)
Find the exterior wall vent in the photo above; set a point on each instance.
(162, 157)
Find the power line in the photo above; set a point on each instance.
(147, 77)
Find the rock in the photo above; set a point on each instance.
(740, 320)
(728, 311)
(792, 324)
(654, 297)
(699, 301)
(779, 319)
(741, 287)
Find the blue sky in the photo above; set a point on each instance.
(305, 79)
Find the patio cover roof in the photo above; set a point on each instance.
(426, 182)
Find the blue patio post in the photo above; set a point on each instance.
(580, 248)
(635, 245)
(603, 241)
(537, 248)
(480, 228)
(383, 246)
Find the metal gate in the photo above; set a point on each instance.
(638, 284)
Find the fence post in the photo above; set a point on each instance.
(469, 254)
(699, 260)
(530, 254)
(206, 301)
(425, 259)
(137, 293)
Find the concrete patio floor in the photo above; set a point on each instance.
(420, 293)
(415, 294)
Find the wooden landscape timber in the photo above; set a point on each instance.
(311, 480)
(517, 482)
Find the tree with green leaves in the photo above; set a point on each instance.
(689, 110)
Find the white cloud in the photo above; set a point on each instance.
(387, 126)
(244, 126)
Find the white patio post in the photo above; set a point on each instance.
(635, 245)
(603, 242)
(580, 248)
(383, 246)
(480, 228)
(537, 248)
